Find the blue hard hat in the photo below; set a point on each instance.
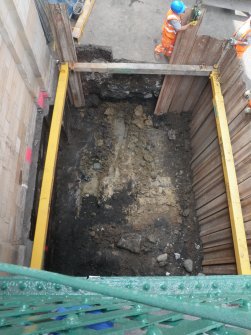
(178, 7)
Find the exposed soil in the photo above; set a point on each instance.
(124, 195)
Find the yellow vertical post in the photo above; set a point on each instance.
(37, 258)
(233, 196)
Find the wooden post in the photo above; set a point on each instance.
(65, 50)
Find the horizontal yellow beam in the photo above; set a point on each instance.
(233, 196)
(37, 258)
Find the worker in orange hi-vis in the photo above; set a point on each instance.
(242, 38)
(171, 27)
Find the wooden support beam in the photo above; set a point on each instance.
(82, 20)
(233, 196)
(181, 55)
(144, 68)
(49, 171)
(65, 49)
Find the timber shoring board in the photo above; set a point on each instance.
(65, 49)
(144, 68)
(170, 84)
(177, 94)
(202, 54)
(208, 180)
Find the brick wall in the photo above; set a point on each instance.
(26, 68)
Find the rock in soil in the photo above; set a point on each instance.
(131, 242)
(147, 157)
(186, 212)
(188, 265)
(162, 264)
(162, 258)
(139, 111)
(97, 166)
(177, 256)
(139, 123)
(149, 122)
(171, 134)
(151, 238)
(109, 111)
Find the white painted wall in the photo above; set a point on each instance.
(26, 67)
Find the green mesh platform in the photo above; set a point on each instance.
(39, 302)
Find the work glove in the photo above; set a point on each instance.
(193, 23)
(232, 41)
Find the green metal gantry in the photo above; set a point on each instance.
(40, 302)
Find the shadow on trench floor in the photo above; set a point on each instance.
(123, 202)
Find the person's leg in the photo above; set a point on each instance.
(169, 46)
(240, 50)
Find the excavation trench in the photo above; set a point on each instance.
(123, 199)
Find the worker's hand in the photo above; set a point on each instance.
(193, 23)
(232, 41)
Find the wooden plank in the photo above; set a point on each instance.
(210, 193)
(184, 85)
(180, 95)
(144, 68)
(65, 49)
(202, 109)
(220, 256)
(208, 151)
(222, 237)
(216, 222)
(204, 45)
(197, 88)
(229, 269)
(180, 55)
(211, 184)
(210, 158)
(220, 203)
(217, 238)
(82, 20)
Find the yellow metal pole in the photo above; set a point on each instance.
(234, 204)
(37, 258)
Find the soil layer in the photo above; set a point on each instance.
(123, 201)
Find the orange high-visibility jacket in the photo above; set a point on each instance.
(241, 36)
(168, 30)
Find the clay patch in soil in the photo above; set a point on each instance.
(123, 202)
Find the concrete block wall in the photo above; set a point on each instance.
(26, 69)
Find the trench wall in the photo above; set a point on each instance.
(179, 94)
(208, 180)
(26, 68)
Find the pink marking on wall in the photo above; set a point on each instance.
(28, 155)
(41, 99)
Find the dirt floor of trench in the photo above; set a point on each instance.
(123, 202)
